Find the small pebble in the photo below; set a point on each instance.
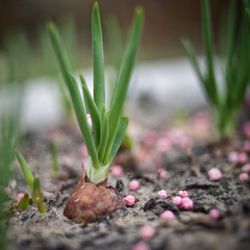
(147, 232)
(214, 174)
(141, 246)
(177, 200)
(243, 177)
(246, 168)
(187, 203)
(162, 194)
(129, 200)
(117, 171)
(215, 214)
(183, 194)
(134, 185)
(167, 215)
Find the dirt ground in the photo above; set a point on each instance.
(187, 170)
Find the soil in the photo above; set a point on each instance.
(187, 171)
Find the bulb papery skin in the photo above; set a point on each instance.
(97, 174)
(92, 201)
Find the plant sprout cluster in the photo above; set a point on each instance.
(102, 122)
(33, 183)
(109, 125)
(235, 66)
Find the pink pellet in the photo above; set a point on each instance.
(246, 146)
(147, 232)
(187, 203)
(163, 144)
(183, 194)
(246, 168)
(89, 120)
(242, 158)
(162, 194)
(243, 177)
(117, 171)
(167, 215)
(184, 143)
(129, 200)
(215, 214)
(177, 200)
(214, 174)
(233, 157)
(246, 129)
(19, 197)
(163, 174)
(238, 158)
(141, 246)
(134, 185)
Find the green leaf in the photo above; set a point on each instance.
(193, 60)
(91, 107)
(28, 176)
(24, 202)
(37, 196)
(98, 59)
(74, 93)
(127, 66)
(208, 40)
(123, 124)
(104, 135)
(53, 153)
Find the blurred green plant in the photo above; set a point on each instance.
(224, 102)
(18, 57)
(54, 157)
(8, 139)
(33, 183)
(104, 139)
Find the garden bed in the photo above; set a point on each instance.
(187, 169)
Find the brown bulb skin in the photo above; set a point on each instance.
(90, 202)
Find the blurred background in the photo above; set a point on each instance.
(26, 55)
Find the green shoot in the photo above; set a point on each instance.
(24, 202)
(33, 184)
(104, 139)
(54, 158)
(224, 104)
(37, 196)
(28, 176)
